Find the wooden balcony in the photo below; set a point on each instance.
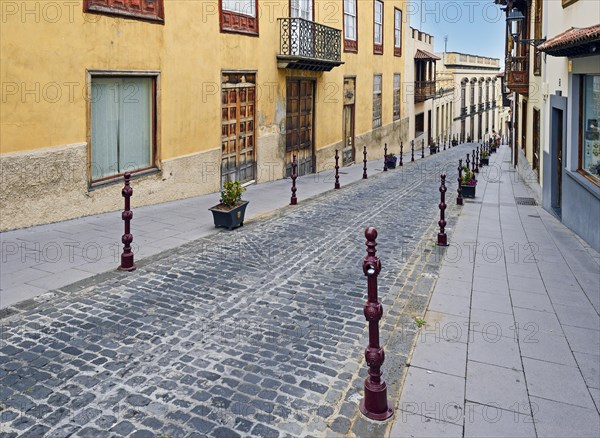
(517, 74)
(424, 90)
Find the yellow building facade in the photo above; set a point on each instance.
(187, 94)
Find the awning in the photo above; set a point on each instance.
(422, 54)
(574, 42)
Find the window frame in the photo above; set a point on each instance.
(91, 7)
(581, 127)
(397, 48)
(537, 33)
(252, 31)
(378, 48)
(155, 75)
(350, 45)
(397, 95)
(378, 121)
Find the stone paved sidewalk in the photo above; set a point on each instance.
(39, 259)
(257, 332)
(512, 337)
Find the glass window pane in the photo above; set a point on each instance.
(591, 127)
(135, 124)
(105, 127)
(246, 7)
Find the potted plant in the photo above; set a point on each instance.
(390, 161)
(432, 148)
(485, 158)
(231, 210)
(468, 183)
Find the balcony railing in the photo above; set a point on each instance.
(473, 109)
(424, 90)
(517, 74)
(306, 45)
(481, 107)
(494, 103)
(463, 112)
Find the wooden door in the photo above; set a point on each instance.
(238, 158)
(348, 152)
(299, 125)
(536, 142)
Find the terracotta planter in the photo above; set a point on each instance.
(229, 219)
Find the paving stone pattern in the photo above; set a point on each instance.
(256, 332)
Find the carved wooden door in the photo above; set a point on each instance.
(348, 121)
(238, 159)
(299, 125)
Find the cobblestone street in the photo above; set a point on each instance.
(257, 332)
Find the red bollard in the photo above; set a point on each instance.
(127, 263)
(337, 170)
(294, 200)
(401, 151)
(375, 404)
(459, 198)
(385, 158)
(365, 163)
(442, 238)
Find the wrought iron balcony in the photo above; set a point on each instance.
(481, 107)
(487, 106)
(463, 112)
(306, 45)
(473, 109)
(424, 90)
(517, 74)
(494, 103)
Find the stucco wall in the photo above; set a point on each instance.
(51, 184)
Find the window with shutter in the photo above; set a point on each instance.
(239, 16)
(152, 10)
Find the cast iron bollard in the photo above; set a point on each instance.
(473, 161)
(127, 263)
(337, 170)
(442, 238)
(401, 151)
(459, 198)
(374, 405)
(476, 160)
(365, 163)
(444, 143)
(294, 200)
(412, 150)
(423, 148)
(468, 162)
(385, 157)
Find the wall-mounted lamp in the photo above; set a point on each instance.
(515, 19)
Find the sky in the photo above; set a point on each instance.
(476, 27)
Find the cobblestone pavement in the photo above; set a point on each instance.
(256, 332)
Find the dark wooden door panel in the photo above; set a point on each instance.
(299, 125)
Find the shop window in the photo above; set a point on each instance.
(589, 151)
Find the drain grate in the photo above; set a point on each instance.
(525, 201)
